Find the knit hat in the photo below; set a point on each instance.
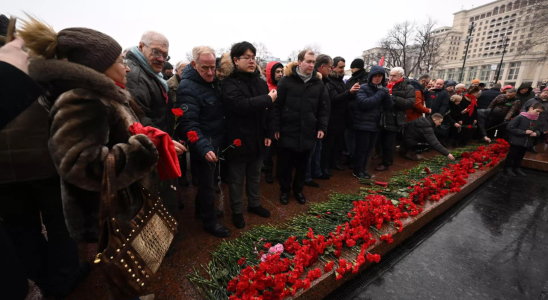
(507, 87)
(167, 66)
(545, 89)
(83, 46)
(475, 81)
(357, 63)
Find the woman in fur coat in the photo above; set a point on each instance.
(90, 114)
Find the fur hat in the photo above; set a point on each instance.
(357, 63)
(83, 46)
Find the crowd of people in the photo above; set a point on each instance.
(230, 118)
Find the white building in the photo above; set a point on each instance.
(495, 23)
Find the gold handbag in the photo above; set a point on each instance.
(131, 252)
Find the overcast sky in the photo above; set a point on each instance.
(341, 28)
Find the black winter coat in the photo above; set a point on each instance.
(300, 110)
(359, 77)
(421, 130)
(403, 96)
(371, 100)
(247, 104)
(466, 118)
(203, 112)
(516, 131)
(338, 97)
(148, 94)
(487, 96)
(439, 99)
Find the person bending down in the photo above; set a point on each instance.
(420, 134)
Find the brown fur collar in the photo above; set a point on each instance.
(288, 70)
(226, 66)
(60, 76)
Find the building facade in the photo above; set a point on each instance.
(496, 23)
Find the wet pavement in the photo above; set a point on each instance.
(193, 244)
(491, 245)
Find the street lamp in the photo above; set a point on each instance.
(468, 39)
(501, 44)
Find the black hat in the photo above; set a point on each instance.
(167, 66)
(357, 63)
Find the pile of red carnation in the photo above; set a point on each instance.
(282, 274)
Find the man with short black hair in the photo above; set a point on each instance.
(167, 71)
(359, 77)
(419, 135)
(488, 96)
(300, 119)
(338, 97)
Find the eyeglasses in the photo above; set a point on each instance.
(251, 58)
(123, 62)
(157, 53)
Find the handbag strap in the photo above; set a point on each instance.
(108, 188)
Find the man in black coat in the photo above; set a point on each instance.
(487, 96)
(247, 102)
(150, 91)
(338, 97)
(300, 119)
(439, 98)
(359, 77)
(419, 134)
(525, 92)
(199, 97)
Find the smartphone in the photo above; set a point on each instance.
(11, 30)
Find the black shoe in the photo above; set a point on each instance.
(358, 175)
(327, 172)
(84, 271)
(268, 177)
(324, 177)
(300, 198)
(311, 183)
(337, 168)
(532, 150)
(366, 175)
(238, 220)
(284, 198)
(508, 172)
(259, 211)
(519, 172)
(183, 181)
(218, 230)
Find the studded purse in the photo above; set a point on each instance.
(131, 252)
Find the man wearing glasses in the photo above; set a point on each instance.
(150, 91)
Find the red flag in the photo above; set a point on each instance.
(381, 62)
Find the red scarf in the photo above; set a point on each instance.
(391, 84)
(120, 85)
(471, 106)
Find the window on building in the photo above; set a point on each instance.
(476, 18)
(514, 38)
(513, 72)
(451, 74)
(511, 50)
(488, 14)
(530, 35)
(482, 16)
(495, 11)
(485, 71)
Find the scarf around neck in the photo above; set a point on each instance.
(120, 85)
(391, 84)
(305, 78)
(143, 63)
(532, 117)
(474, 102)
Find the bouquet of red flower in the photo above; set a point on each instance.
(235, 143)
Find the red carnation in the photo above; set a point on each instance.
(469, 126)
(241, 261)
(177, 112)
(192, 136)
(237, 142)
(427, 170)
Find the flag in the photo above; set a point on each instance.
(381, 62)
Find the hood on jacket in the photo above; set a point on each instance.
(270, 72)
(527, 86)
(60, 76)
(288, 70)
(377, 70)
(424, 122)
(225, 67)
(416, 85)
